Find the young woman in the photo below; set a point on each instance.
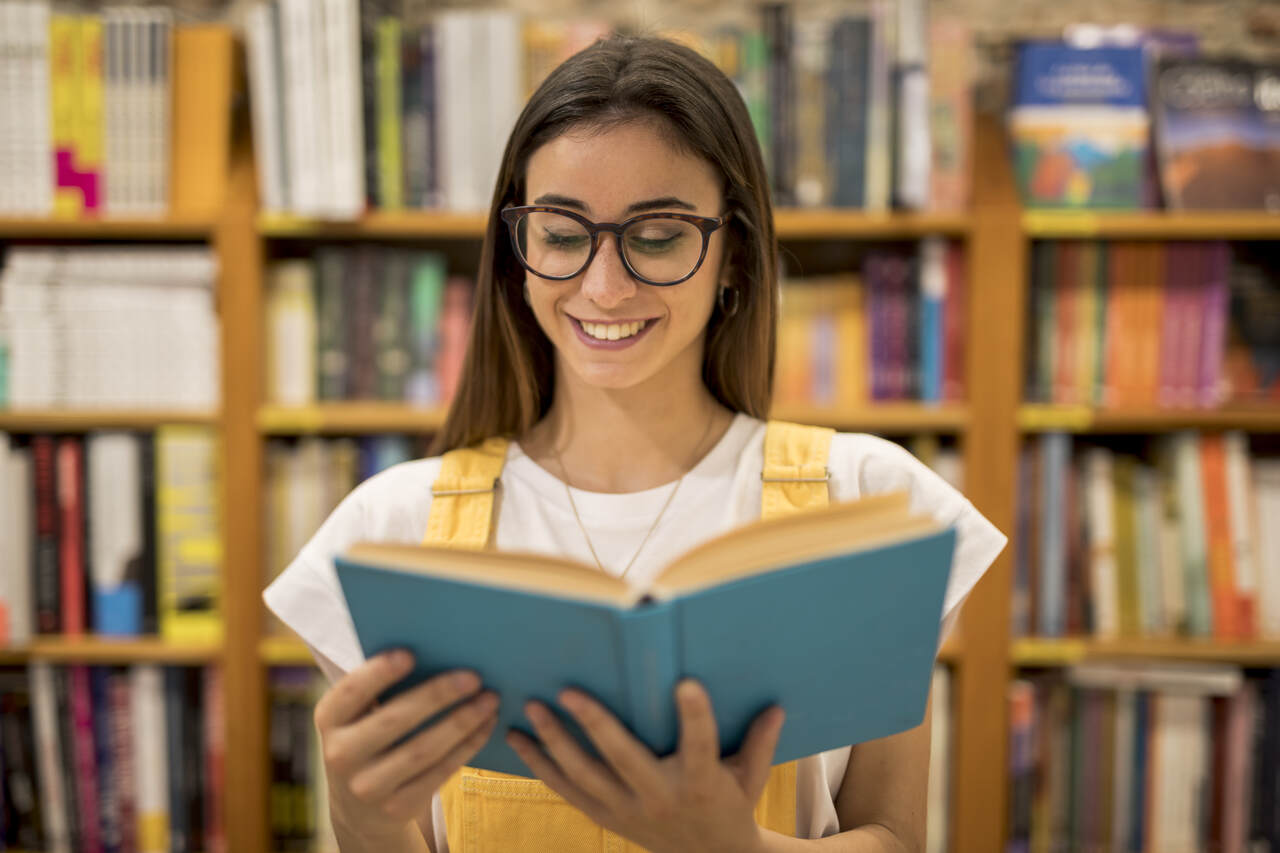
(617, 378)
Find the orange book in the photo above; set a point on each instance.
(200, 141)
(852, 370)
(1119, 331)
(1151, 320)
(1222, 588)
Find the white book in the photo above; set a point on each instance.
(150, 761)
(302, 121)
(1191, 529)
(33, 145)
(915, 150)
(260, 36)
(115, 527)
(137, 73)
(1103, 573)
(1200, 679)
(53, 791)
(939, 792)
(291, 340)
(11, 179)
(324, 117)
(1266, 476)
(18, 487)
(1244, 559)
(456, 109)
(345, 169)
(161, 96)
(35, 358)
(114, 117)
(1122, 770)
(505, 61)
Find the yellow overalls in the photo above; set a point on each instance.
(489, 812)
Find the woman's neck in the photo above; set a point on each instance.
(626, 440)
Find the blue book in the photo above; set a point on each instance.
(831, 614)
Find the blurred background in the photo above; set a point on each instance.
(1034, 242)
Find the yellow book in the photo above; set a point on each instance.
(64, 49)
(1126, 541)
(853, 369)
(390, 159)
(91, 127)
(188, 534)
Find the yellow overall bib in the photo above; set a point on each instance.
(490, 812)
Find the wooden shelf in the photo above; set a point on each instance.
(284, 651)
(1045, 418)
(1038, 652)
(1154, 225)
(169, 228)
(817, 224)
(348, 418)
(82, 420)
(106, 650)
(372, 417)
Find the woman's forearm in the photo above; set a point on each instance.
(353, 839)
(872, 838)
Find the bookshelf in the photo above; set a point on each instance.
(989, 428)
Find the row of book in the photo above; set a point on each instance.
(112, 758)
(1133, 324)
(1145, 757)
(109, 327)
(307, 478)
(84, 110)
(113, 533)
(1177, 541)
(1136, 118)
(365, 323)
(893, 332)
(355, 107)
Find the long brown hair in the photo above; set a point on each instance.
(507, 377)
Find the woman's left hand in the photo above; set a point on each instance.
(690, 800)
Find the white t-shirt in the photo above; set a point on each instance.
(720, 492)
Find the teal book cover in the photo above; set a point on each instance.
(845, 643)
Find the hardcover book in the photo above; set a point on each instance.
(852, 596)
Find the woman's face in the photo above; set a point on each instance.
(610, 176)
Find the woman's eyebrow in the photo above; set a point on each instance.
(663, 203)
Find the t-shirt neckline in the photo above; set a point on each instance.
(718, 462)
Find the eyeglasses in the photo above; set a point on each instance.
(661, 249)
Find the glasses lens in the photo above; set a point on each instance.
(662, 250)
(552, 244)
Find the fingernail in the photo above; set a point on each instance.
(466, 681)
(400, 659)
(571, 700)
(535, 713)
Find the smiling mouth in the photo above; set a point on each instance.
(612, 331)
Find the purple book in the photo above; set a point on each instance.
(1216, 267)
(873, 273)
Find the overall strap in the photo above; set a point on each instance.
(794, 479)
(795, 474)
(461, 514)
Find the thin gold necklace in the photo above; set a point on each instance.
(572, 505)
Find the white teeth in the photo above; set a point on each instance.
(612, 331)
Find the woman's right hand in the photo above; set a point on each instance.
(376, 784)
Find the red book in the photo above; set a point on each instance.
(71, 543)
(48, 605)
(1222, 588)
(953, 324)
(455, 327)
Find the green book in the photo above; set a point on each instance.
(390, 142)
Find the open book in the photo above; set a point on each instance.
(833, 614)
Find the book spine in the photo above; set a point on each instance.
(1192, 545)
(121, 711)
(46, 564)
(176, 722)
(71, 578)
(390, 155)
(85, 758)
(91, 112)
(49, 748)
(933, 301)
(1222, 586)
(108, 788)
(214, 719)
(1056, 451)
(1217, 297)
